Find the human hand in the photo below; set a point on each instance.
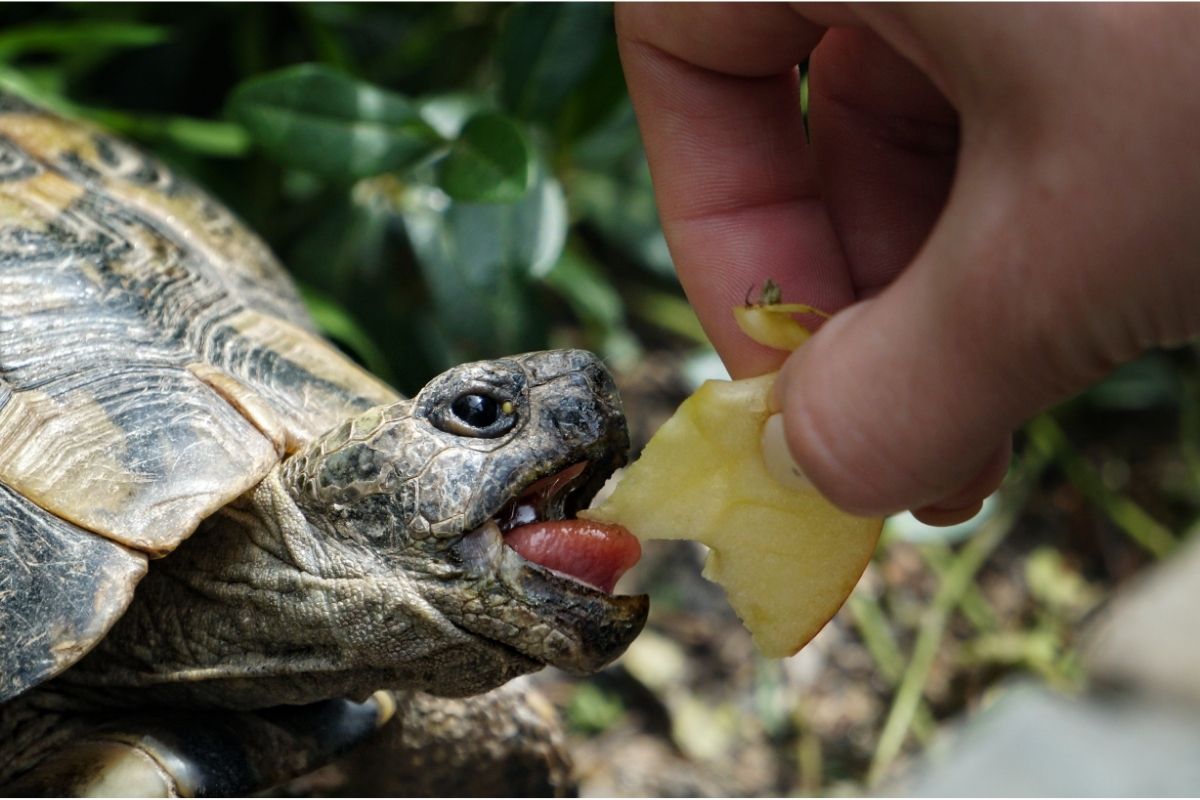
(1002, 200)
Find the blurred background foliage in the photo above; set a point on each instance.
(444, 181)
(460, 181)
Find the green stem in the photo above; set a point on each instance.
(885, 652)
(974, 605)
(1151, 535)
(809, 759)
(957, 580)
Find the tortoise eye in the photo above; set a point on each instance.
(477, 410)
(478, 415)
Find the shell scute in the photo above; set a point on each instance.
(126, 293)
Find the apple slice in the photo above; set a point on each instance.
(786, 557)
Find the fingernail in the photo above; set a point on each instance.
(775, 397)
(778, 459)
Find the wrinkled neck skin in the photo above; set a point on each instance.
(259, 608)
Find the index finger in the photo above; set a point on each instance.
(716, 90)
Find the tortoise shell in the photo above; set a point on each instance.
(155, 363)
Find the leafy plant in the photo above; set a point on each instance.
(445, 182)
(317, 119)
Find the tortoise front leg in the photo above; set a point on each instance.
(508, 742)
(203, 753)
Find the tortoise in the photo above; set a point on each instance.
(219, 536)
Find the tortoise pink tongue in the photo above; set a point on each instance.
(592, 552)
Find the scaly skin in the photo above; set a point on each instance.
(347, 570)
(306, 535)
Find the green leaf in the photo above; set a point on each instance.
(480, 262)
(72, 37)
(206, 137)
(490, 162)
(315, 118)
(199, 136)
(545, 51)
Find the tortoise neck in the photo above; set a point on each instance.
(258, 608)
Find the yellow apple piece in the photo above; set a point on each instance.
(786, 557)
(772, 325)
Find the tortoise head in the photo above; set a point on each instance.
(424, 490)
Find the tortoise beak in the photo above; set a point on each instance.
(594, 627)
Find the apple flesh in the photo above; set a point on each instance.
(786, 557)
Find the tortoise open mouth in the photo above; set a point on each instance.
(550, 498)
(533, 556)
(539, 525)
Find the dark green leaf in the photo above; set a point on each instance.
(490, 162)
(616, 144)
(546, 50)
(201, 136)
(479, 262)
(314, 118)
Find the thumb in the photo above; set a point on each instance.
(908, 400)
